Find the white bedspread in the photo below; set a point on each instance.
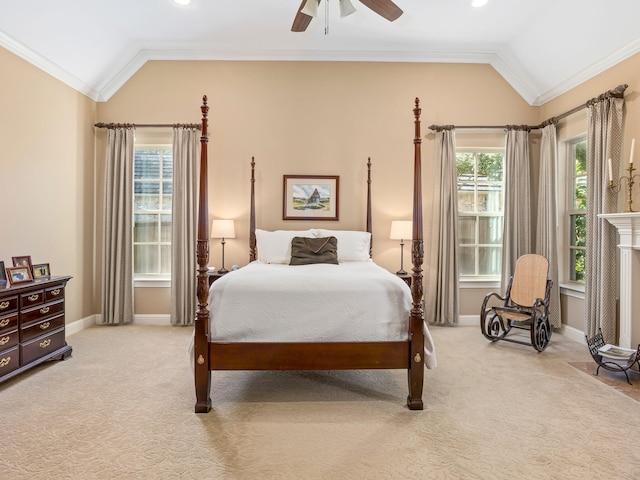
(353, 301)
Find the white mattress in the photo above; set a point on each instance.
(353, 301)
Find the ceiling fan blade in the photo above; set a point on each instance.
(301, 20)
(385, 8)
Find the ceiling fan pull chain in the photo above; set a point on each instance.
(326, 17)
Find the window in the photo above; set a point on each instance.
(577, 209)
(152, 190)
(480, 212)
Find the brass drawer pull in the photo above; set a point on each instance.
(3, 305)
(45, 343)
(55, 292)
(4, 340)
(5, 361)
(4, 322)
(45, 325)
(44, 310)
(34, 297)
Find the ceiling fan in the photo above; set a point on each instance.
(309, 9)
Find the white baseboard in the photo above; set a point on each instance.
(152, 319)
(573, 334)
(91, 320)
(469, 321)
(79, 325)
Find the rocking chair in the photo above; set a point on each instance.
(525, 305)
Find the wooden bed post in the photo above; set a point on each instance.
(202, 374)
(369, 221)
(416, 328)
(252, 214)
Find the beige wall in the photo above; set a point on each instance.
(626, 72)
(46, 165)
(317, 118)
(294, 117)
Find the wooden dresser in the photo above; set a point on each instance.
(32, 325)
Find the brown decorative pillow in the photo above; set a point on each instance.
(305, 251)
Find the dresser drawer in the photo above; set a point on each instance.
(44, 311)
(32, 298)
(8, 340)
(8, 322)
(9, 361)
(47, 325)
(8, 305)
(54, 293)
(41, 346)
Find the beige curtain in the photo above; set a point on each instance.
(547, 218)
(184, 225)
(516, 237)
(117, 261)
(442, 276)
(604, 141)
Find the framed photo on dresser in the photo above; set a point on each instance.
(23, 261)
(19, 274)
(3, 273)
(41, 270)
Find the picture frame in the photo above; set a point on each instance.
(22, 261)
(19, 274)
(310, 197)
(3, 273)
(41, 270)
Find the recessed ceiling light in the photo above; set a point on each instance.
(182, 2)
(479, 3)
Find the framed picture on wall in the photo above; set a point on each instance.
(19, 274)
(310, 197)
(41, 270)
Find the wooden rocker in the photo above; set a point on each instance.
(525, 305)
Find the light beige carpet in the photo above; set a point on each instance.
(122, 408)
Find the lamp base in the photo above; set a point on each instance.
(222, 271)
(401, 272)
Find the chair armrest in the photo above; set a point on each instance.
(488, 297)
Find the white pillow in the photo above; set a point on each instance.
(353, 246)
(275, 246)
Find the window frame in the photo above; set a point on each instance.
(478, 280)
(147, 279)
(571, 210)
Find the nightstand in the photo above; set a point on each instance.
(406, 277)
(214, 276)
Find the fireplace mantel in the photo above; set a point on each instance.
(628, 226)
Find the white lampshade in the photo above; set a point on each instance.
(223, 229)
(401, 230)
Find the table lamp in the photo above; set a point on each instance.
(401, 230)
(223, 229)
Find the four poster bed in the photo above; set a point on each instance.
(334, 301)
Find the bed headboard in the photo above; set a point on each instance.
(252, 211)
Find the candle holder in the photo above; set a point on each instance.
(630, 181)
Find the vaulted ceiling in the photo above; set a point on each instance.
(541, 48)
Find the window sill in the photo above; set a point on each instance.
(483, 283)
(575, 290)
(151, 283)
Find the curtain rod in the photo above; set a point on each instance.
(197, 126)
(617, 92)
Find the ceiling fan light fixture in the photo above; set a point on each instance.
(310, 8)
(346, 8)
